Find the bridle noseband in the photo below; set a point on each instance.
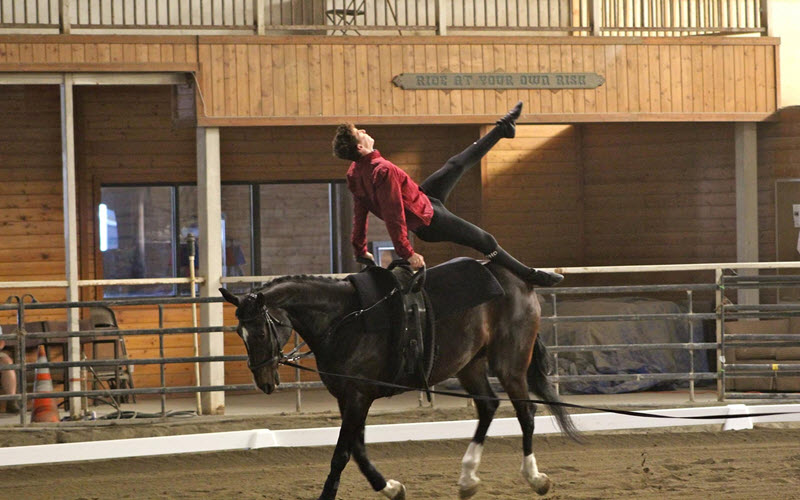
(272, 327)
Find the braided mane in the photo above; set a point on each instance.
(297, 278)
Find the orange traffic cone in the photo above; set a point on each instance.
(44, 409)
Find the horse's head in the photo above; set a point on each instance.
(264, 331)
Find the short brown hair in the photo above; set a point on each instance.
(345, 144)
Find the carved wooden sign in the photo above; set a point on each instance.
(497, 81)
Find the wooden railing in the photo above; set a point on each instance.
(354, 17)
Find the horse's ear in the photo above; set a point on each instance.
(261, 300)
(233, 299)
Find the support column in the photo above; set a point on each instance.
(441, 17)
(70, 238)
(746, 204)
(209, 211)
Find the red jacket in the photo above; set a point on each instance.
(381, 187)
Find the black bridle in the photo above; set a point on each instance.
(272, 330)
(273, 323)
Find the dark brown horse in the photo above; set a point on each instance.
(500, 335)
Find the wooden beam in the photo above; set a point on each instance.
(746, 160)
(210, 121)
(209, 212)
(71, 236)
(97, 67)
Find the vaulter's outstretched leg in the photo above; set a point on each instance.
(441, 183)
(446, 226)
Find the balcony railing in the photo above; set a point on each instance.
(355, 17)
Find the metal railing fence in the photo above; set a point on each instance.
(720, 282)
(354, 17)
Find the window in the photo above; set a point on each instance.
(267, 229)
(136, 237)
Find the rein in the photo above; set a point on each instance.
(534, 401)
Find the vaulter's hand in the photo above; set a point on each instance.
(416, 261)
(367, 259)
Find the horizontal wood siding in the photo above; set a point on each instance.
(532, 195)
(251, 80)
(31, 205)
(97, 53)
(324, 78)
(659, 194)
(778, 158)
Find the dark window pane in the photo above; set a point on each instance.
(236, 230)
(136, 237)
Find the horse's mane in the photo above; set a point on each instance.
(297, 278)
(248, 305)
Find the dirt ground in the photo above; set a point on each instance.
(702, 463)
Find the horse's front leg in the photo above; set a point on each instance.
(391, 489)
(354, 414)
(351, 440)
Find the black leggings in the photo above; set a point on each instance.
(446, 226)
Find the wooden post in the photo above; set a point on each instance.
(596, 19)
(260, 18)
(718, 302)
(63, 17)
(764, 18)
(209, 213)
(70, 239)
(441, 17)
(746, 161)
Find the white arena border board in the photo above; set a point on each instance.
(327, 436)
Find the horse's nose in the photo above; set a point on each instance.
(267, 388)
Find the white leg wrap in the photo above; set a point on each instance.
(392, 489)
(529, 469)
(469, 466)
(538, 481)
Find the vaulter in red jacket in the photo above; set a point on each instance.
(381, 187)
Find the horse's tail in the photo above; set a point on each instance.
(538, 383)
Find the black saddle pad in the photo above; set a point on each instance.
(456, 285)
(460, 284)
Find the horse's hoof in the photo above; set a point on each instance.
(541, 484)
(394, 490)
(469, 491)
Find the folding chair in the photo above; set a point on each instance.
(347, 15)
(116, 377)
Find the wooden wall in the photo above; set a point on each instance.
(557, 195)
(619, 194)
(283, 81)
(31, 204)
(97, 53)
(321, 80)
(778, 158)
(532, 195)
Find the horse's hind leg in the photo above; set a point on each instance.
(474, 380)
(516, 387)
